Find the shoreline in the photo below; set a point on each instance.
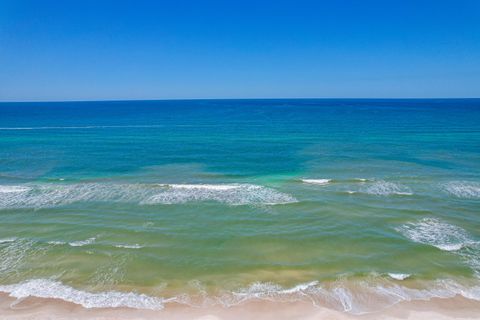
(45, 308)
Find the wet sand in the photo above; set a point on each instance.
(37, 308)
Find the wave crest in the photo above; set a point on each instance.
(44, 288)
(385, 188)
(446, 237)
(240, 194)
(40, 196)
(321, 182)
(463, 189)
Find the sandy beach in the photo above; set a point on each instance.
(35, 308)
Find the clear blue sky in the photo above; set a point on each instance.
(88, 50)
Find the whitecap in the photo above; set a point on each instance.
(45, 288)
(239, 194)
(320, 182)
(52, 195)
(129, 246)
(436, 233)
(13, 189)
(446, 237)
(385, 188)
(215, 187)
(82, 243)
(55, 242)
(463, 189)
(399, 276)
(7, 240)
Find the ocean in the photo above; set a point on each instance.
(352, 204)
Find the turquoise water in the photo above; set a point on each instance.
(352, 204)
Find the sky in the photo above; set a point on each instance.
(119, 50)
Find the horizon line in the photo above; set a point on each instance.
(220, 99)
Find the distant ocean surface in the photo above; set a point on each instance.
(354, 205)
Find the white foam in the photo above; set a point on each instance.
(51, 195)
(300, 287)
(463, 189)
(7, 240)
(436, 233)
(345, 298)
(44, 288)
(446, 237)
(129, 246)
(13, 189)
(321, 182)
(385, 188)
(399, 276)
(239, 194)
(54, 242)
(216, 187)
(82, 243)
(355, 297)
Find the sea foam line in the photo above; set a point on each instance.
(7, 240)
(44, 288)
(82, 243)
(355, 298)
(321, 182)
(129, 246)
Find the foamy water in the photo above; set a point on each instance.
(351, 297)
(385, 188)
(463, 189)
(52, 195)
(317, 181)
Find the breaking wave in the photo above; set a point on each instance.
(82, 243)
(399, 276)
(40, 196)
(44, 288)
(12, 189)
(385, 188)
(236, 194)
(446, 237)
(129, 246)
(436, 233)
(7, 240)
(357, 297)
(463, 189)
(317, 181)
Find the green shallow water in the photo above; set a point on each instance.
(207, 197)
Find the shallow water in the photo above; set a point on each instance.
(134, 203)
